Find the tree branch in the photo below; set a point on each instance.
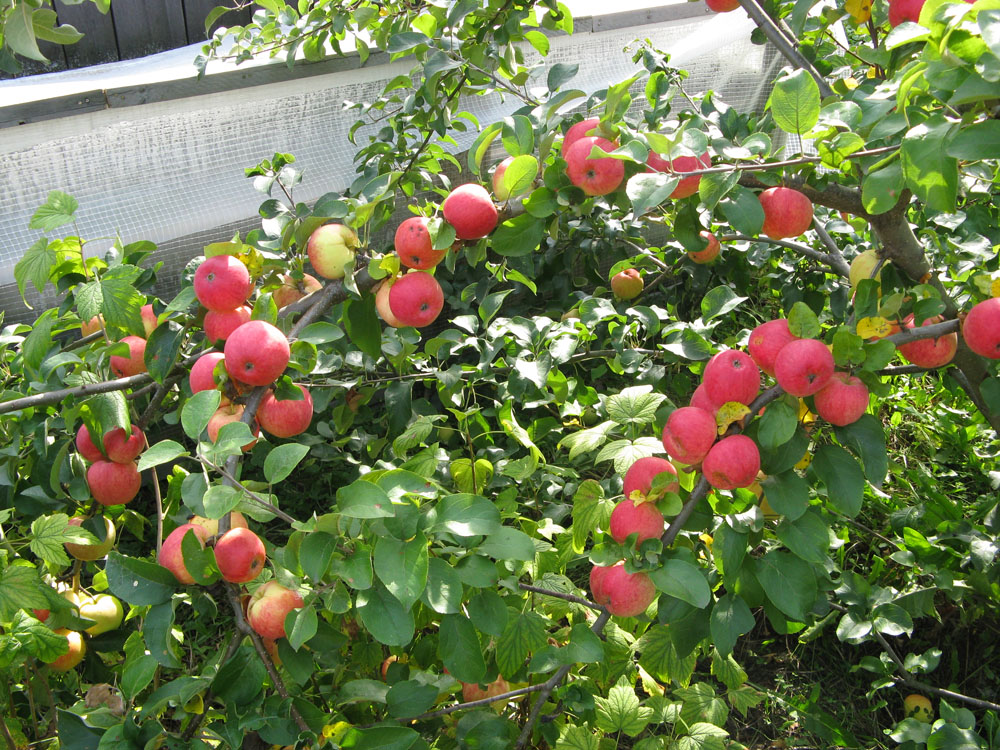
(234, 482)
(476, 703)
(798, 247)
(560, 595)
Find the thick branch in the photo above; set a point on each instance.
(88, 389)
(825, 258)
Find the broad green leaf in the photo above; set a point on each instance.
(402, 567)
(507, 543)
(361, 322)
(795, 102)
(520, 175)
(587, 440)
(634, 405)
(384, 617)
(316, 554)
(684, 581)
(468, 479)
(518, 236)
(881, 189)
(19, 34)
(621, 711)
(730, 619)
(35, 266)
(929, 172)
(702, 704)
(703, 735)
(20, 587)
(777, 424)
(720, 301)
(59, 208)
(808, 536)
(444, 590)
(727, 670)
(789, 583)
(866, 438)
(163, 347)
(139, 667)
(573, 737)
(802, 321)
(281, 461)
(647, 190)
(624, 453)
(517, 136)
(488, 612)
(50, 533)
(410, 698)
(139, 582)
(659, 657)
(362, 499)
(221, 499)
(460, 650)
(162, 452)
(301, 625)
(197, 411)
(742, 209)
(467, 515)
(241, 678)
(843, 477)
(523, 635)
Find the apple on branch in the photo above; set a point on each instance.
(627, 284)
(331, 249)
(134, 363)
(172, 558)
(291, 291)
(413, 244)
(96, 551)
(622, 594)
(222, 283)
(269, 606)
(471, 211)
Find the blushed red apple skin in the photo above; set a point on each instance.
(471, 211)
(702, 400)
(904, 10)
(77, 650)
(767, 340)
(86, 446)
(122, 450)
(843, 400)
(240, 555)
(929, 353)
(688, 185)
(382, 305)
(226, 415)
(472, 692)
(416, 299)
(787, 213)
(268, 607)
(113, 484)
(201, 378)
(689, 434)
(722, 6)
(733, 462)
(623, 594)
(331, 248)
(578, 130)
(731, 375)
(171, 556)
(640, 518)
(287, 418)
(289, 291)
(803, 366)
(981, 328)
(627, 284)
(709, 253)
(222, 282)
(598, 176)
(640, 476)
(134, 364)
(257, 353)
(219, 325)
(148, 319)
(413, 244)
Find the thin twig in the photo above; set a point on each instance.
(810, 252)
(199, 720)
(476, 703)
(560, 595)
(836, 257)
(6, 735)
(234, 482)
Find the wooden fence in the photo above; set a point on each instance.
(132, 28)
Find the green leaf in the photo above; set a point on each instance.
(304, 623)
(520, 175)
(384, 738)
(19, 33)
(20, 587)
(444, 591)
(684, 581)
(742, 209)
(789, 583)
(384, 617)
(467, 515)
(881, 189)
(362, 499)
(410, 698)
(488, 612)
(481, 145)
(524, 634)
(573, 737)
(647, 190)
(510, 426)
(866, 438)
(241, 679)
(163, 347)
(843, 477)
(703, 736)
(777, 424)
(39, 341)
(221, 499)
(139, 667)
(591, 511)
(402, 567)
(197, 411)
(929, 172)
(587, 440)
(659, 656)
(795, 102)
(162, 452)
(316, 554)
(892, 620)
(281, 461)
(517, 136)
(701, 704)
(35, 266)
(624, 453)
(361, 322)
(635, 405)
(138, 582)
(198, 559)
(727, 670)
(518, 236)
(730, 619)
(508, 544)
(560, 73)
(406, 40)
(50, 533)
(620, 711)
(460, 650)
(802, 321)
(808, 536)
(720, 301)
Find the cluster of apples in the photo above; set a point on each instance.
(240, 556)
(113, 475)
(104, 610)
(135, 363)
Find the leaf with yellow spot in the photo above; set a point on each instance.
(804, 461)
(874, 328)
(730, 412)
(860, 10)
(995, 288)
(649, 684)
(805, 416)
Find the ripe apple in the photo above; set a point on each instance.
(787, 212)
(41, 614)
(291, 291)
(134, 364)
(981, 329)
(240, 555)
(222, 282)
(225, 415)
(640, 475)
(803, 366)
(722, 6)
(113, 484)
(268, 607)
(710, 251)
(257, 353)
(122, 450)
(500, 192)
(416, 299)
(211, 526)
(105, 610)
(732, 462)
(688, 185)
(219, 324)
(689, 434)
(91, 326)
(623, 594)
(766, 340)
(929, 353)
(86, 447)
(472, 692)
(471, 211)
(285, 419)
(731, 375)
(89, 552)
(171, 555)
(862, 266)
(843, 400)
(382, 304)
(75, 654)
(578, 130)
(413, 244)
(635, 517)
(627, 284)
(331, 248)
(201, 378)
(702, 400)
(148, 319)
(905, 10)
(598, 176)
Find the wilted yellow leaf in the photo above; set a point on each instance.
(730, 412)
(995, 288)
(860, 10)
(874, 328)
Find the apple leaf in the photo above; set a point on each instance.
(460, 650)
(647, 190)
(843, 477)
(138, 582)
(281, 461)
(684, 581)
(731, 618)
(787, 493)
(808, 536)
(385, 619)
(402, 567)
(795, 102)
(789, 583)
(518, 236)
(362, 325)
(161, 453)
(197, 412)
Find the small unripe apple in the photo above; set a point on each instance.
(732, 462)
(578, 130)
(471, 211)
(268, 608)
(731, 375)
(787, 212)
(640, 475)
(222, 282)
(862, 266)
(766, 340)
(413, 244)
(623, 594)
(627, 284)
(689, 434)
(981, 329)
(631, 517)
(710, 252)
(220, 324)
(331, 249)
(257, 353)
(688, 185)
(112, 483)
(929, 353)
(90, 552)
(77, 650)
(598, 176)
(803, 366)
(134, 364)
(416, 299)
(291, 291)
(171, 555)
(843, 400)
(286, 418)
(240, 555)
(148, 319)
(211, 525)
(105, 610)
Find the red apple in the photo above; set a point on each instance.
(843, 400)
(291, 291)
(219, 324)
(257, 353)
(905, 10)
(766, 340)
(722, 6)
(929, 353)
(631, 517)
(134, 364)
(688, 434)
(226, 415)
(268, 608)
(702, 400)
(201, 378)
(96, 551)
(91, 326)
(331, 249)
(211, 525)
(623, 594)
(598, 176)
(113, 484)
(148, 319)
(578, 130)
(382, 304)
(688, 185)
(222, 282)
(471, 211)
(472, 692)
(416, 299)
(171, 556)
(285, 419)
(981, 329)
(732, 462)
(413, 244)
(710, 251)
(86, 446)
(240, 555)
(627, 284)
(731, 375)
(75, 654)
(803, 366)
(640, 475)
(787, 212)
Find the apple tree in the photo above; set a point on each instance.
(513, 447)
